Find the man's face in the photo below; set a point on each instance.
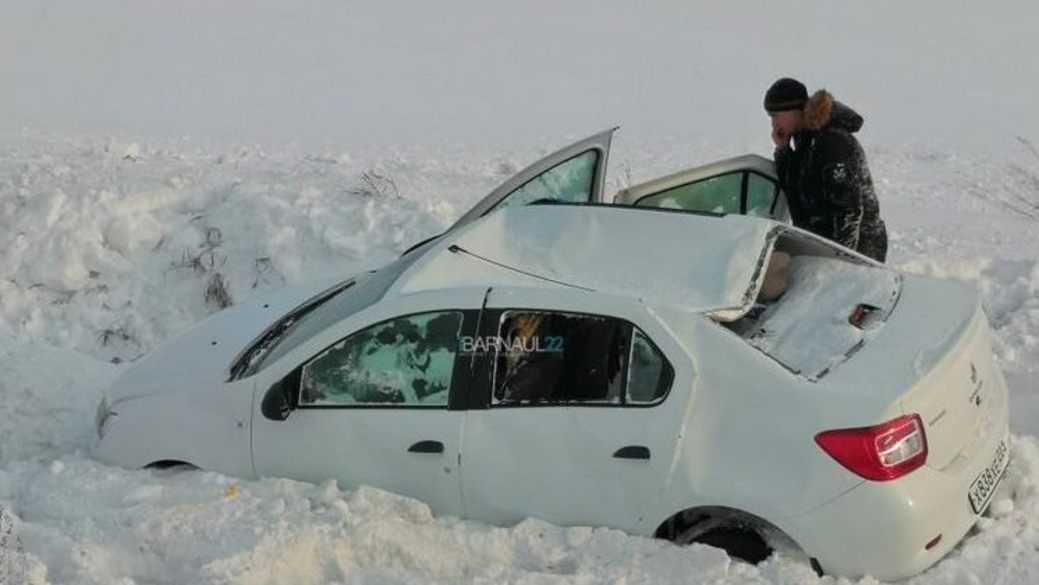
(787, 122)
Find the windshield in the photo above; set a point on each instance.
(316, 315)
(247, 363)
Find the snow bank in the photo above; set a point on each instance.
(99, 261)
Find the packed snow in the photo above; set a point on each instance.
(111, 247)
(159, 161)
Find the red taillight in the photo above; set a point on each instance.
(879, 453)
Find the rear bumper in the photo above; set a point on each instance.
(883, 529)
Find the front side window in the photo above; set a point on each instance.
(544, 357)
(403, 362)
(570, 181)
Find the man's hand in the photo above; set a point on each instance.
(780, 139)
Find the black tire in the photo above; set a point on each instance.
(743, 544)
(168, 467)
(740, 541)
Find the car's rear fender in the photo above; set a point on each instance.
(776, 538)
(751, 421)
(893, 530)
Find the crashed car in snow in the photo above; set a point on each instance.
(609, 365)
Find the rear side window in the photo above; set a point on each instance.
(553, 358)
(648, 372)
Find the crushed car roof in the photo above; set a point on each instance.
(696, 262)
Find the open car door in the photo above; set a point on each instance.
(575, 174)
(744, 185)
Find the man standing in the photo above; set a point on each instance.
(822, 168)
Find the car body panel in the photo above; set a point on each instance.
(378, 446)
(893, 522)
(367, 446)
(742, 396)
(212, 344)
(178, 395)
(936, 326)
(508, 470)
(960, 399)
(603, 248)
(182, 424)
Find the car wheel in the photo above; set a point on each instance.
(170, 467)
(740, 542)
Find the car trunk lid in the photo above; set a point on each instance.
(961, 397)
(934, 358)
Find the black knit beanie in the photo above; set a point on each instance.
(785, 94)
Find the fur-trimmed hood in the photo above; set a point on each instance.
(822, 111)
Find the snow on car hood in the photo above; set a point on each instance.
(695, 262)
(202, 354)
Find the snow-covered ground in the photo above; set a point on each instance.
(109, 247)
(160, 159)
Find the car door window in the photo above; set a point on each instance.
(546, 358)
(402, 362)
(570, 181)
(574, 174)
(761, 195)
(649, 375)
(741, 192)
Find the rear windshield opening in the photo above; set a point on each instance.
(815, 311)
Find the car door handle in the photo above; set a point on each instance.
(427, 447)
(632, 452)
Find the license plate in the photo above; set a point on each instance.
(984, 486)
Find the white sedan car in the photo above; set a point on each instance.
(700, 377)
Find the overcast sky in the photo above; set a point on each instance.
(508, 72)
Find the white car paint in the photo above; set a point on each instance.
(212, 344)
(604, 248)
(365, 445)
(568, 463)
(873, 528)
(734, 437)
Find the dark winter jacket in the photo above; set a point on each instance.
(827, 181)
